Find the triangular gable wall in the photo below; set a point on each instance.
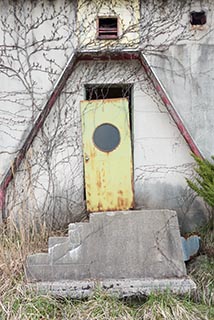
(97, 56)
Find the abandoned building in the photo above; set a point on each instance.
(102, 104)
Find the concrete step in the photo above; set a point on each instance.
(52, 241)
(120, 288)
(143, 244)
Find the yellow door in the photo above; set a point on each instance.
(107, 155)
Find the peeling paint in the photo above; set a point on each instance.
(2, 197)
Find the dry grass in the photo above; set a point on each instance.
(15, 245)
(16, 303)
(168, 307)
(99, 307)
(201, 269)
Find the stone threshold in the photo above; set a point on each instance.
(119, 288)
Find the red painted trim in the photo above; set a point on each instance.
(178, 121)
(93, 56)
(2, 198)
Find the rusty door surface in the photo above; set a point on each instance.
(107, 155)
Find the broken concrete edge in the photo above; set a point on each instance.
(118, 288)
(190, 246)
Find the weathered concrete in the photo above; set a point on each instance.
(142, 245)
(119, 288)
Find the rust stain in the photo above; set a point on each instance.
(88, 205)
(99, 206)
(120, 203)
(123, 203)
(132, 205)
(92, 153)
(99, 182)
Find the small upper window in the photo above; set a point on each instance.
(198, 18)
(107, 28)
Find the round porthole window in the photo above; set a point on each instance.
(106, 137)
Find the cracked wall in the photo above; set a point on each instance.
(186, 71)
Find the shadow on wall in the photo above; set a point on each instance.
(191, 210)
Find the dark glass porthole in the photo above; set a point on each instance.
(198, 18)
(106, 137)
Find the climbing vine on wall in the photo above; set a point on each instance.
(37, 40)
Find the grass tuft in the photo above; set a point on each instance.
(201, 269)
(99, 307)
(165, 306)
(202, 272)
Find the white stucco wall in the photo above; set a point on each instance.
(36, 40)
(127, 13)
(186, 72)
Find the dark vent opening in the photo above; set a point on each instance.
(198, 18)
(107, 28)
(110, 91)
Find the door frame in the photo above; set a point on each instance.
(130, 86)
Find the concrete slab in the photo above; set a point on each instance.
(138, 245)
(119, 288)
